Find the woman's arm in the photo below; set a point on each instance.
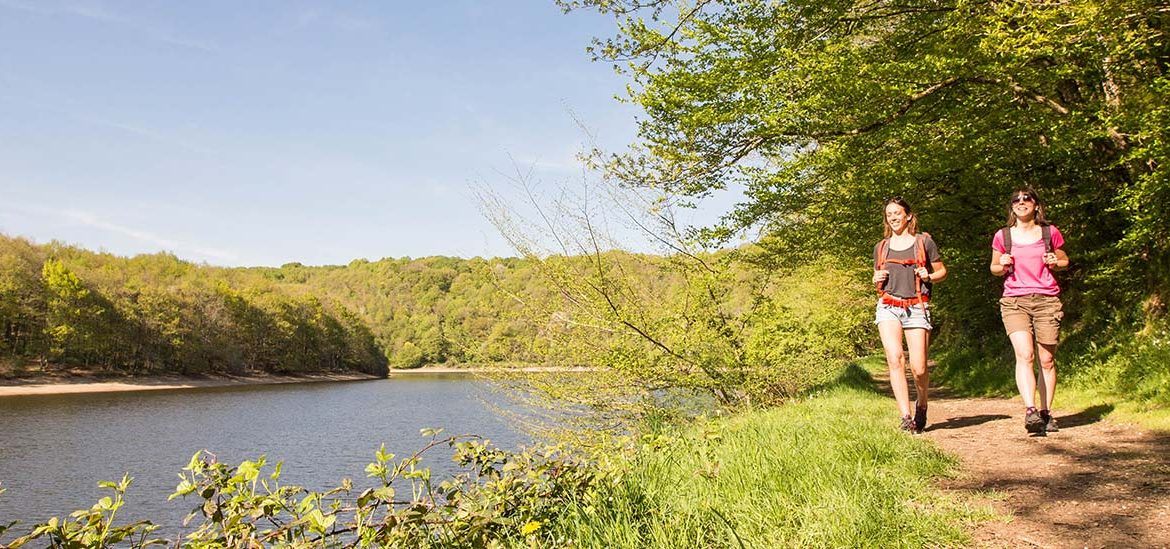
(1056, 260)
(940, 272)
(999, 262)
(937, 272)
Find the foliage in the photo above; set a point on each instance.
(822, 109)
(716, 326)
(155, 314)
(93, 527)
(500, 499)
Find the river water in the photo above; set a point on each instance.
(55, 449)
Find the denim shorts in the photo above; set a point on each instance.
(911, 317)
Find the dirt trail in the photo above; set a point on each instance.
(1095, 483)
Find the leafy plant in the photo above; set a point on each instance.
(94, 527)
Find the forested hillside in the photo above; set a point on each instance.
(426, 310)
(60, 305)
(63, 306)
(155, 313)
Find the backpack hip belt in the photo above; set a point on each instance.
(892, 301)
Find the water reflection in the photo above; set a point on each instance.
(54, 449)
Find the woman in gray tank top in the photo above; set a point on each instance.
(906, 264)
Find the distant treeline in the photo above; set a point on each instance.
(426, 310)
(61, 305)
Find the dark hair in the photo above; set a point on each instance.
(912, 226)
(1040, 218)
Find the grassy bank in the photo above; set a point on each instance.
(829, 471)
(1128, 379)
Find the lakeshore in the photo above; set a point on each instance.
(59, 385)
(45, 384)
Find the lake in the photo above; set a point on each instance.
(55, 449)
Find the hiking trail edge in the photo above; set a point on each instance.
(1094, 483)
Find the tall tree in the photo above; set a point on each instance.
(821, 108)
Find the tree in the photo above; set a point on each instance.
(77, 319)
(22, 299)
(821, 109)
(656, 327)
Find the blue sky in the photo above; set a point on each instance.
(263, 132)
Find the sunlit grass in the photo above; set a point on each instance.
(829, 471)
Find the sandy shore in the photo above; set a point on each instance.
(68, 385)
(60, 385)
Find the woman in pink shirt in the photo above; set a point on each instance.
(1026, 253)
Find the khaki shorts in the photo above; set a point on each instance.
(1033, 313)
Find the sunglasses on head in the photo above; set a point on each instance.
(1023, 197)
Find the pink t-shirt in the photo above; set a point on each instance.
(1029, 274)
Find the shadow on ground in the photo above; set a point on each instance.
(1092, 414)
(967, 421)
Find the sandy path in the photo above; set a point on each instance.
(1095, 483)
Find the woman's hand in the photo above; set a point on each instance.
(1005, 259)
(880, 276)
(922, 273)
(1050, 259)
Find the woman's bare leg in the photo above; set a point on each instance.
(891, 333)
(1046, 384)
(918, 341)
(1025, 376)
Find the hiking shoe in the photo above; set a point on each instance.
(907, 424)
(1049, 421)
(919, 419)
(1033, 423)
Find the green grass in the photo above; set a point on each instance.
(1128, 380)
(828, 471)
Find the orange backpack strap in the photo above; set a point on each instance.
(920, 253)
(920, 243)
(879, 262)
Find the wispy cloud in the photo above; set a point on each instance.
(88, 10)
(147, 133)
(97, 11)
(331, 18)
(66, 107)
(152, 240)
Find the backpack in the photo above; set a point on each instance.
(919, 260)
(1045, 235)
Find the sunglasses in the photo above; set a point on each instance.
(1023, 198)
